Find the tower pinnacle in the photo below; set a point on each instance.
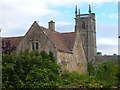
(79, 13)
(89, 9)
(76, 11)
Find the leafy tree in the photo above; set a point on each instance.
(90, 69)
(39, 70)
(7, 47)
(99, 53)
(29, 70)
(106, 73)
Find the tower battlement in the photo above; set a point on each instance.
(86, 25)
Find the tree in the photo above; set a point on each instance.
(99, 53)
(7, 47)
(29, 70)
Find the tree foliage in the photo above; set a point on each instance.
(105, 75)
(7, 47)
(30, 70)
(39, 70)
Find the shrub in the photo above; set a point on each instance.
(30, 70)
(106, 73)
(39, 70)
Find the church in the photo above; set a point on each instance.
(72, 50)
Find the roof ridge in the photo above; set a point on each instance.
(14, 37)
(67, 32)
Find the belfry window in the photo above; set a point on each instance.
(83, 24)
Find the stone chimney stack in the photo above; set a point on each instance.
(51, 25)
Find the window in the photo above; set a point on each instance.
(37, 45)
(83, 24)
(33, 48)
(34, 45)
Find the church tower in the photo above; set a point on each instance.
(86, 24)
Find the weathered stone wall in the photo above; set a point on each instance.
(101, 59)
(87, 26)
(91, 38)
(36, 35)
(76, 61)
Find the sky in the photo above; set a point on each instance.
(18, 15)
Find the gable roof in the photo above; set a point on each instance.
(14, 40)
(63, 42)
(57, 39)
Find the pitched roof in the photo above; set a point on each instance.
(63, 42)
(57, 39)
(69, 39)
(14, 40)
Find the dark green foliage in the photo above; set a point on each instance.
(118, 75)
(72, 79)
(99, 53)
(39, 70)
(7, 47)
(51, 56)
(105, 70)
(90, 69)
(29, 70)
(102, 76)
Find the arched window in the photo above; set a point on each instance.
(83, 24)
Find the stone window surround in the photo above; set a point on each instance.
(34, 44)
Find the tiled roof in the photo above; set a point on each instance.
(57, 39)
(69, 39)
(14, 40)
(63, 42)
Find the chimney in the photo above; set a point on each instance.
(51, 25)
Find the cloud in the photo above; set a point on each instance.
(107, 46)
(62, 23)
(71, 2)
(65, 28)
(107, 30)
(110, 16)
(18, 16)
(107, 50)
(107, 41)
(107, 38)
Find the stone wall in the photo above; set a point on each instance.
(87, 25)
(112, 58)
(36, 35)
(75, 61)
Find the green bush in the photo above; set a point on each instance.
(106, 73)
(71, 79)
(102, 76)
(39, 70)
(90, 69)
(30, 70)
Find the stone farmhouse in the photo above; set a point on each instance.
(73, 50)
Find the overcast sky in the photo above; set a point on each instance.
(18, 15)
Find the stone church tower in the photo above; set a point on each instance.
(86, 24)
